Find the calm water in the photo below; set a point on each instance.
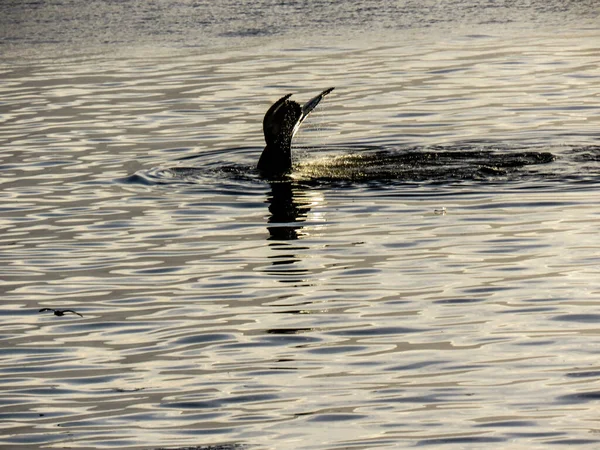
(220, 309)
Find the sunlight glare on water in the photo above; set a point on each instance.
(223, 311)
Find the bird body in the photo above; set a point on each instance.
(280, 124)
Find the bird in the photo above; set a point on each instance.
(60, 312)
(280, 124)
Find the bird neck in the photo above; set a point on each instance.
(276, 159)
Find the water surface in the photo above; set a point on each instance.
(318, 313)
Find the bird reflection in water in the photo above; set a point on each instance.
(289, 205)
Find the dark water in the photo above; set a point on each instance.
(427, 277)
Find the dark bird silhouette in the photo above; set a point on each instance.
(60, 312)
(280, 124)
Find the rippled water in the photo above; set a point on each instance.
(219, 309)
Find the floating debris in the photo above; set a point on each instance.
(207, 447)
(60, 312)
